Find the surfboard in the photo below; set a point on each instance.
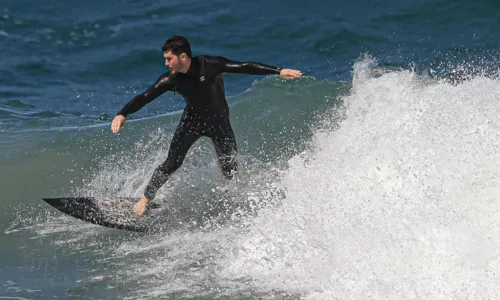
(112, 212)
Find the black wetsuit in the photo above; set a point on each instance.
(206, 112)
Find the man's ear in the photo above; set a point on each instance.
(183, 56)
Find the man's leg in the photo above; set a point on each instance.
(184, 137)
(225, 146)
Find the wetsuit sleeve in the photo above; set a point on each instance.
(224, 65)
(163, 83)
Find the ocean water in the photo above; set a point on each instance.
(374, 176)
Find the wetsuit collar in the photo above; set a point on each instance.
(193, 68)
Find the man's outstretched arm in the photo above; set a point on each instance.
(162, 84)
(225, 65)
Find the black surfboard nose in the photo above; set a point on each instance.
(59, 203)
(109, 211)
(82, 207)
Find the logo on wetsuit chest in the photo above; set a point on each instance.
(202, 78)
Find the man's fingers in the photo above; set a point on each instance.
(293, 73)
(289, 73)
(116, 125)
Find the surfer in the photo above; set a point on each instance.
(198, 79)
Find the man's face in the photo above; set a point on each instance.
(173, 62)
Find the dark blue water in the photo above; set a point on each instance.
(376, 73)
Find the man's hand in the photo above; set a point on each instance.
(140, 206)
(118, 123)
(289, 73)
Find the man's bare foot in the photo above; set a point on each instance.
(140, 206)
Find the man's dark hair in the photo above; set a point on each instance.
(178, 45)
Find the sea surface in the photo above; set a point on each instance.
(374, 176)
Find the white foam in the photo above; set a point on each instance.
(401, 202)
